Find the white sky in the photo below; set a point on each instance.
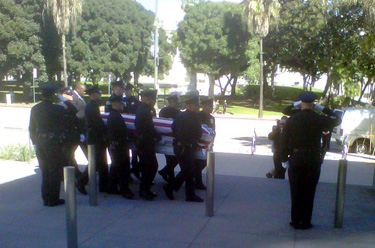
(169, 11)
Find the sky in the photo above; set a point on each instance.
(169, 11)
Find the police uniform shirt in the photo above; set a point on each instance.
(168, 112)
(96, 128)
(144, 125)
(117, 130)
(74, 128)
(46, 118)
(187, 128)
(131, 104)
(207, 119)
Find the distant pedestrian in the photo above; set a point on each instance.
(301, 146)
(217, 106)
(225, 106)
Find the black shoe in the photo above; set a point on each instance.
(81, 188)
(305, 226)
(153, 193)
(295, 225)
(146, 195)
(200, 186)
(45, 203)
(269, 175)
(194, 198)
(168, 191)
(56, 203)
(127, 194)
(164, 175)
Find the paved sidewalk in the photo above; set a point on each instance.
(250, 211)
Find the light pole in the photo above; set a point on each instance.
(156, 47)
(260, 114)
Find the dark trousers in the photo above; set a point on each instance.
(185, 157)
(149, 167)
(304, 175)
(51, 162)
(101, 167)
(69, 152)
(172, 162)
(200, 164)
(279, 169)
(120, 168)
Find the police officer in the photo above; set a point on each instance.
(131, 105)
(300, 145)
(187, 131)
(118, 89)
(73, 132)
(46, 128)
(170, 111)
(96, 135)
(147, 137)
(205, 118)
(80, 104)
(117, 134)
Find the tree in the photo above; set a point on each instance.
(65, 14)
(261, 15)
(213, 40)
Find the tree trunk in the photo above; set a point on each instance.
(64, 61)
(328, 84)
(211, 87)
(233, 90)
(193, 81)
(364, 89)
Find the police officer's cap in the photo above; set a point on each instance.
(128, 86)
(172, 98)
(48, 90)
(115, 98)
(65, 90)
(307, 96)
(118, 83)
(149, 93)
(208, 102)
(192, 97)
(93, 89)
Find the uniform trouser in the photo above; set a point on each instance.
(185, 157)
(304, 175)
(172, 162)
(101, 167)
(135, 162)
(69, 151)
(120, 168)
(51, 162)
(200, 164)
(149, 167)
(279, 169)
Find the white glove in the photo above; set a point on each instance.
(63, 99)
(297, 103)
(285, 165)
(319, 107)
(82, 138)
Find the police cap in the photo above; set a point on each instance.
(118, 83)
(66, 90)
(115, 98)
(192, 97)
(172, 98)
(208, 102)
(93, 89)
(307, 96)
(149, 93)
(49, 90)
(128, 86)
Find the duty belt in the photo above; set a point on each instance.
(48, 135)
(305, 150)
(179, 143)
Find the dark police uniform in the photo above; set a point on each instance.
(301, 139)
(96, 135)
(168, 112)
(187, 131)
(47, 125)
(108, 104)
(147, 137)
(275, 136)
(80, 105)
(209, 120)
(120, 168)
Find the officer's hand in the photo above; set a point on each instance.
(82, 138)
(295, 104)
(319, 107)
(285, 165)
(63, 99)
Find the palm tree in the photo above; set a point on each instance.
(261, 14)
(65, 14)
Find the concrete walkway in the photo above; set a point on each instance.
(250, 211)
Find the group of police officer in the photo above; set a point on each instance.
(57, 130)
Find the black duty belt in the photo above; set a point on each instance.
(179, 143)
(305, 150)
(48, 135)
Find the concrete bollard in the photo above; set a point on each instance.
(340, 193)
(210, 183)
(70, 206)
(93, 196)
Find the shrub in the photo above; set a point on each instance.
(19, 152)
